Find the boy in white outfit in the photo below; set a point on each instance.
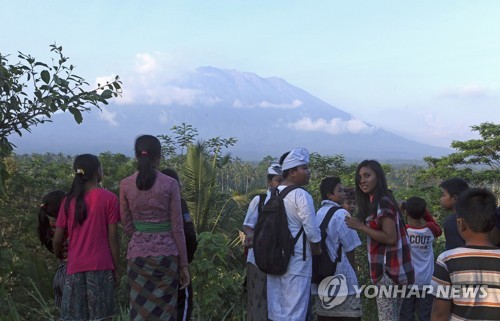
(256, 279)
(288, 294)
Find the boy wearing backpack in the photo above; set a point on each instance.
(288, 293)
(339, 240)
(256, 280)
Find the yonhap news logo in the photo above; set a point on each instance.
(333, 291)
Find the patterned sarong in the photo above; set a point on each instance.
(153, 288)
(88, 296)
(58, 283)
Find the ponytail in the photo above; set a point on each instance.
(49, 208)
(85, 167)
(147, 152)
(147, 173)
(77, 192)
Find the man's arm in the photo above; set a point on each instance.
(114, 246)
(351, 257)
(441, 310)
(57, 242)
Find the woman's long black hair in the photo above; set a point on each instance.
(365, 207)
(147, 152)
(49, 208)
(85, 167)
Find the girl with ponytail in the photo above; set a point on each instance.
(150, 206)
(47, 215)
(89, 215)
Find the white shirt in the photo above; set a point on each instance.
(422, 254)
(338, 232)
(299, 207)
(250, 221)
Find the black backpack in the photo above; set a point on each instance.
(273, 244)
(322, 264)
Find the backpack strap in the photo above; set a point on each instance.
(286, 190)
(324, 225)
(282, 195)
(262, 199)
(328, 217)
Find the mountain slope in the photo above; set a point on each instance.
(268, 116)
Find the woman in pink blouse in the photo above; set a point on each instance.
(150, 206)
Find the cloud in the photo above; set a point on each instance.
(467, 91)
(152, 81)
(265, 104)
(164, 117)
(108, 116)
(147, 63)
(335, 126)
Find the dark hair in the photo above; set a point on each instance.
(49, 208)
(365, 207)
(147, 152)
(286, 171)
(454, 186)
(349, 193)
(327, 186)
(171, 173)
(478, 207)
(85, 167)
(416, 207)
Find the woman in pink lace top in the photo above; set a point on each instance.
(150, 206)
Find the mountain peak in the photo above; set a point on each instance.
(268, 116)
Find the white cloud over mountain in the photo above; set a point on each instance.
(265, 104)
(108, 116)
(335, 126)
(152, 81)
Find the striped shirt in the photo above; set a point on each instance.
(470, 277)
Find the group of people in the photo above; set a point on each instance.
(400, 254)
(80, 227)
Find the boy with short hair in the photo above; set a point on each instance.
(450, 190)
(349, 203)
(338, 234)
(475, 265)
(256, 279)
(422, 256)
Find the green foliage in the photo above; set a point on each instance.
(22, 257)
(115, 167)
(324, 166)
(31, 92)
(218, 189)
(476, 160)
(217, 279)
(206, 203)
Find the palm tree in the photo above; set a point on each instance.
(209, 207)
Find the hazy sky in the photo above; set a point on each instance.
(426, 70)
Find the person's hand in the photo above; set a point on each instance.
(118, 277)
(248, 240)
(185, 278)
(353, 223)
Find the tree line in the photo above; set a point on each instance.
(216, 186)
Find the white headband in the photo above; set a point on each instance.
(274, 169)
(296, 157)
